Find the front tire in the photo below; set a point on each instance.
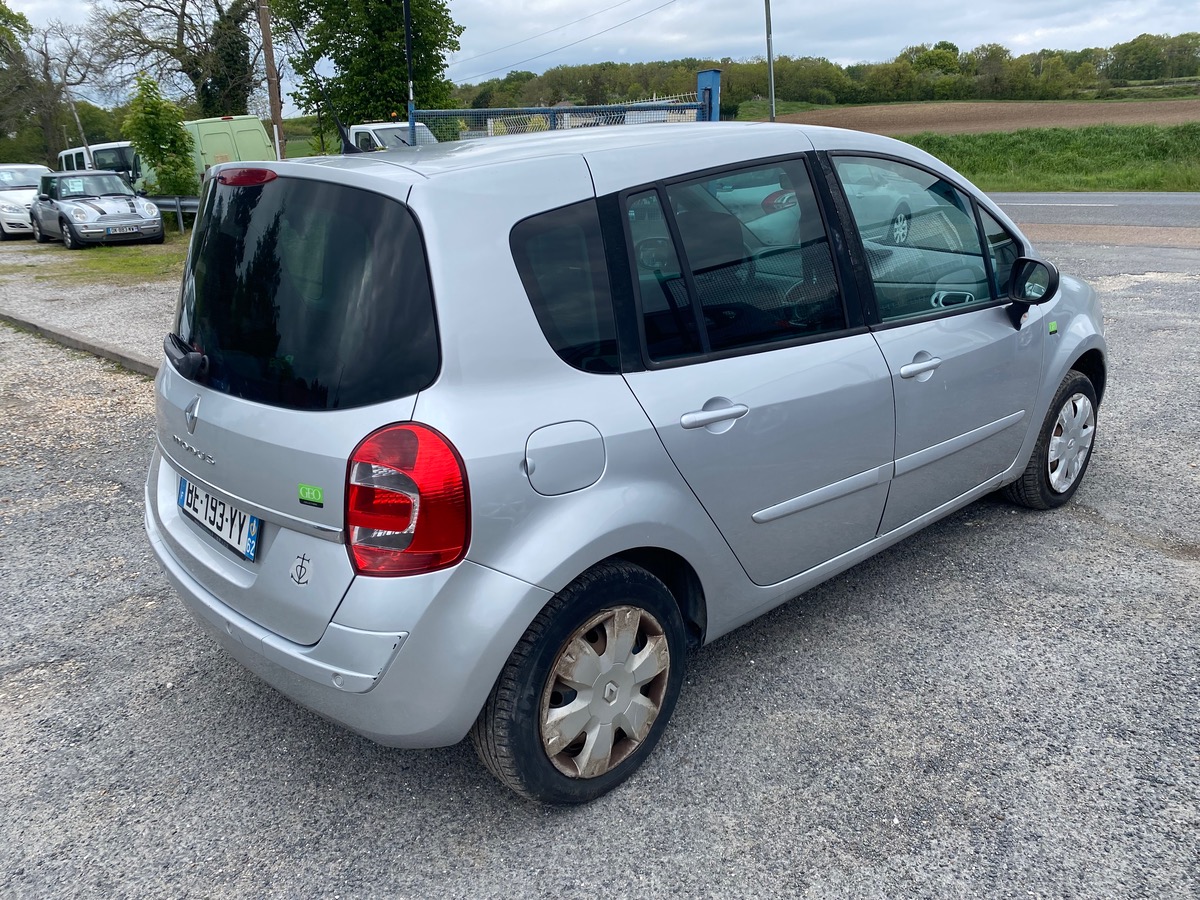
(588, 690)
(1064, 448)
(69, 238)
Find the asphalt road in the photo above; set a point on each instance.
(1005, 704)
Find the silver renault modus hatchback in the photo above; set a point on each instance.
(482, 438)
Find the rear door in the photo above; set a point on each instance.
(965, 375)
(777, 411)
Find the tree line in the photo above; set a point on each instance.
(939, 71)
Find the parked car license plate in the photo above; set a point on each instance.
(235, 528)
(122, 229)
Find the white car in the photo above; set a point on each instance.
(18, 187)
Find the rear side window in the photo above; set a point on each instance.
(560, 258)
(309, 295)
(751, 267)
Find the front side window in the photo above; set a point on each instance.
(735, 260)
(919, 233)
(560, 258)
(1003, 249)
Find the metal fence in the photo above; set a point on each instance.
(473, 124)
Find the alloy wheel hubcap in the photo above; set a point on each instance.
(900, 228)
(604, 692)
(1070, 441)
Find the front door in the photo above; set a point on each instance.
(965, 375)
(780, 420)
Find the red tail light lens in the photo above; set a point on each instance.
(407, 507)
(246, 177)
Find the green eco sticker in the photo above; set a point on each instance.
(1054, 328)
(311, 495)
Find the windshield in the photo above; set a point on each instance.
(18, 179)
(92, 186)
(309, 295)
(118, 158)
(392, 136)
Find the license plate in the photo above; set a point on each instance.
(122, 229)
(236, 529)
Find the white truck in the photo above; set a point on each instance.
(388, 135)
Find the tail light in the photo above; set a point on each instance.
(407, 507)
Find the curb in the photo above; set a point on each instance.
(131, 361)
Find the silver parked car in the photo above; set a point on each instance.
(18, 187)
(92, 207)
(481, 441)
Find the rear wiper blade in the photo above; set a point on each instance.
(191, 364)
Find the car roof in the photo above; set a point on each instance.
(723, 141)
(25, 166)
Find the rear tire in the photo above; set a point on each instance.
(588, 690)
(1064, 447)
(38, 234)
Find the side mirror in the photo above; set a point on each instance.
(43, 197)
(1032, 281)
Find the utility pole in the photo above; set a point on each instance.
(770, 63)
(264, 24)
(87, 150)
(412, 117)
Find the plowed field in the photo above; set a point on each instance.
(964, 118)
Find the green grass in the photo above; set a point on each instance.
(1098, 158)
(115, 264)
(760, 110)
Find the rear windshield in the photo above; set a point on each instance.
(309, 295)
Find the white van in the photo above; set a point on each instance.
(114, 156)
(388, 135)
(217, 140)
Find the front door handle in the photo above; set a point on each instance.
(913, 369)
(702, 418)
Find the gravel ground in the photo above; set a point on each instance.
(132, 317)
(1004, 705)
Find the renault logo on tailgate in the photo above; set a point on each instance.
(191, 412)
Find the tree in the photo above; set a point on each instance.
(14, 74)
(58, 58)
(154, 125)
(205, 50)
(364, 39)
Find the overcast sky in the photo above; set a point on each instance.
(847, 32)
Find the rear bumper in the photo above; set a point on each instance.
(417, 678)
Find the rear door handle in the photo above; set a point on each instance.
(913, 369)
(702, 418)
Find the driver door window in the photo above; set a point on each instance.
(922, 245)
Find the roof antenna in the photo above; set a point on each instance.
(347, 144)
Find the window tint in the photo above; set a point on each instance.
(309, 295)
(755, 262)
(667, 315)
(921, 241)
(560, 257)
(1003, 248)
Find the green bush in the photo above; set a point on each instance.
(154, 125)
